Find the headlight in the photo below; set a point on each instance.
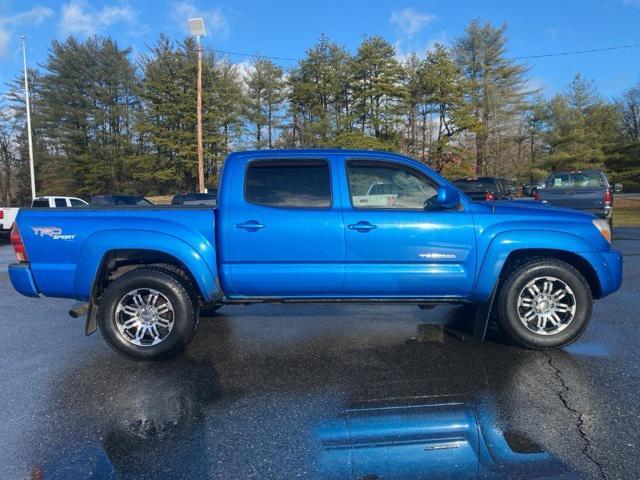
(603, 227)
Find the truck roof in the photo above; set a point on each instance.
(314, 151)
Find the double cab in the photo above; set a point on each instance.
(317, 226)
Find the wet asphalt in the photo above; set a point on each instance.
(258, 386)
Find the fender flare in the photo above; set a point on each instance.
(200, 260)
(504, 244)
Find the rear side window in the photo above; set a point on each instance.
(40, 203)
(60, 203)
(288, 183)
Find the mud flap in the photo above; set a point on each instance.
(92, 319)
(483, 315)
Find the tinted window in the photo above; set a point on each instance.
(77, 203)
(60, 203)
(383, 185)
(283, 183)
(40, 203)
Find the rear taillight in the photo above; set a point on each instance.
(536, 195)
(607, 197)
(18, 246)
(1, 214)
(489, 196)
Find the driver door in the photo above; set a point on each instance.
(397, 248)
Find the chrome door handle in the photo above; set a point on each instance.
(250, 226)
(361, 227)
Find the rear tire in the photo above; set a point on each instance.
(544, 303)
(148, 314)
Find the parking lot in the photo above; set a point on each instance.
(252, 392)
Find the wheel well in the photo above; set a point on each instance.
(571, 258)
(117, 262)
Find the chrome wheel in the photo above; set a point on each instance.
(144, 317)
(546, 305)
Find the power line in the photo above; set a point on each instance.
(522, 57)
(242, 54)
(577, 52)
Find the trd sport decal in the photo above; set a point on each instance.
(53, 232)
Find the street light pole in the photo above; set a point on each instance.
(27, 102)
(196, 26)
(199, 115)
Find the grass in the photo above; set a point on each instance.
(626, 211)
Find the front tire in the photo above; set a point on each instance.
(544, 303)
(148, 314)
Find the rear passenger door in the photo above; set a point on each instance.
(284, 234)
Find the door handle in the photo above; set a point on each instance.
(361, 227)
(250, 226)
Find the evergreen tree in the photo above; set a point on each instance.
(582, 128)
(377, 87)
(264, 99)
(495, 85)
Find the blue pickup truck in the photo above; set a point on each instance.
(296, 226)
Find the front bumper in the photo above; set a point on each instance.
(608, 268)
(22, 279)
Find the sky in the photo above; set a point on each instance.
(286, 29)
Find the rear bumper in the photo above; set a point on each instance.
(608, 268)
(22, 279)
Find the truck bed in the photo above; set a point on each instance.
(81, 238)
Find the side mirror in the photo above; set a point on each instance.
(617, 188)
(448, 197)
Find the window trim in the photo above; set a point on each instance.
(300, 162)
(386, 163)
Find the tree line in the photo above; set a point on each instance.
(106, 122)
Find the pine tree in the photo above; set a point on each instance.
(495, 85)
(264, 99)
(377, 86)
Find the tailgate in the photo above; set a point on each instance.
(578, 198)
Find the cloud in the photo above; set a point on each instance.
(79, 18)
(215, 21)
(9, 24)
(409, 22)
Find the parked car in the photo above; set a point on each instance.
(57, 202)
(194, 198)
(287, 230)
(119, 200)
(586, 190)
(483, 188)
(7, 217)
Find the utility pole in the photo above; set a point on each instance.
(27, 102)
(196, 25)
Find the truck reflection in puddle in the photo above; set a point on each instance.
(418, 439)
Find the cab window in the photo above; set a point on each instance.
(288, 183)
(383, 185)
